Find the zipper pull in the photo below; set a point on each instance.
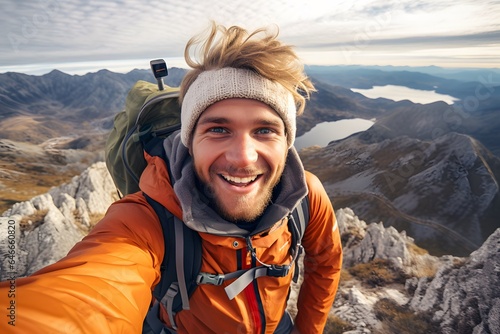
(250, 248)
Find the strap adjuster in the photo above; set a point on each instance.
(212, 279)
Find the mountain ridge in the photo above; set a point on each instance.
(433, 189)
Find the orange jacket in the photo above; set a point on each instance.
(104, 283)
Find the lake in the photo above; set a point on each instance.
(398, 93)
(325, 132)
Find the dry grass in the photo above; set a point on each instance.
(416, 249)
(335, 325)
(398, 319)
(379, 272)
(422, 265)
(27, 186)
(32, 221)
(351, 237)
(21, 128)
(94, 219)
(426, 270)
(459, 262)
(345, 276)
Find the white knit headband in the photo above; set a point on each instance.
(225, 83)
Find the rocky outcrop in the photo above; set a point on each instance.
(364, 243)
(461, 293)
(355, 302)
(48, 225)
(464, 295)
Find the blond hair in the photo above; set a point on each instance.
(258, 51)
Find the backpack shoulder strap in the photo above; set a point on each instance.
(301, 216)
(181, 262)
(300, 220)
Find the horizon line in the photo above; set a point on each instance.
(126, 66)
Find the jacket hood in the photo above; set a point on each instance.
(196, 212)
(155, 182)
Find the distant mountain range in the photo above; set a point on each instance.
(425, 168)
(90, 98)
(460, 74)
(62, 104)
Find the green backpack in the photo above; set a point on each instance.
(149, 113)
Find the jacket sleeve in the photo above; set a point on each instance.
(322, 261)
(104, 283)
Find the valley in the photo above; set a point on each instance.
(27, 169)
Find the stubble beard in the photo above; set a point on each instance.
(249, 207)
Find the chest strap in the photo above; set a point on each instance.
(245, 276)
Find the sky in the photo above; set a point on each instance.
(80, 36)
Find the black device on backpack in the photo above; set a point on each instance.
(159, 68)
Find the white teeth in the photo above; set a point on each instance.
(235, 179)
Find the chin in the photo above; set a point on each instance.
(248, 212)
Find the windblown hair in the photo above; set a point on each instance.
(259, 51)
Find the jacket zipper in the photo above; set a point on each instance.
(253, 298)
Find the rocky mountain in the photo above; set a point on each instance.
(388, 284)
(430, 121)
(443, 192)
(429, 169)
(464, 294)
(59, 104)
(441, 294)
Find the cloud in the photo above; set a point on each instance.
(75, 31)
(415, 42)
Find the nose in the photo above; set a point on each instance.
(242, 151)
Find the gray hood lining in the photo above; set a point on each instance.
(200, 217)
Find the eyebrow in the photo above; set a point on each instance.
(217, 120)
(224, 120)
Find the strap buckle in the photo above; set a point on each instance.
(212, 279)
(278, 270)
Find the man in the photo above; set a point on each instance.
(236, 179)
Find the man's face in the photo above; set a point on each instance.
(239, 150)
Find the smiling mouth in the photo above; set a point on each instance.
(239, 181)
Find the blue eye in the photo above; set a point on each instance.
(217, 130)
(264, 131)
